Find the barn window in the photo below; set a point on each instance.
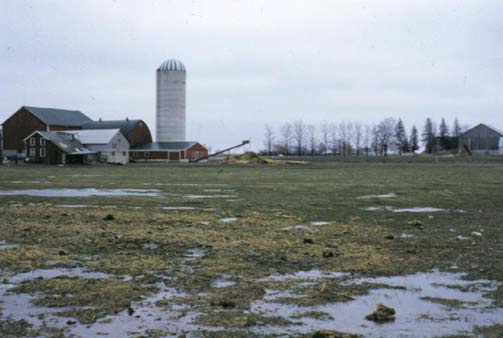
(42, 152)
(42, 141)
(32, 141)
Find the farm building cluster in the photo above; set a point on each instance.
(59, 136)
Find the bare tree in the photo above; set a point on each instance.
(325, 133)
(357, 136)
(299, 135)
(332, 132)
(385, 131)
(367, 139)
(312, 139)
(286, 138)
(343, 136)
(375, 139)
(269, 139)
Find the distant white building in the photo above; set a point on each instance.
(108, 145)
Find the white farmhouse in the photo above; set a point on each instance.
(108, 145)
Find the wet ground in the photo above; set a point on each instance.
(256, 252)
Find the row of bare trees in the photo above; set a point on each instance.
(348, 138)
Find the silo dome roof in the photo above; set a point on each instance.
(172, 64)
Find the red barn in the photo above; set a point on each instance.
(168, 151)
(29, 119)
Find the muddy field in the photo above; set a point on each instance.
(252, 251)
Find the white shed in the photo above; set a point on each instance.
(109, 144)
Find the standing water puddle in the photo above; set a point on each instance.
(4, 245)
(193, 196)
(156, 312)
(421, 306)
(228, 219)
(367, 197)
(87, 192)
(223, 282)
(178, 208)
(51, 273)
(415, 209)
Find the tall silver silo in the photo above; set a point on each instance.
(170, 101)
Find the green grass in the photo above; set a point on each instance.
(269, 198)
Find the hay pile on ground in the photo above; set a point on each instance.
(247, 158)
(251, 157)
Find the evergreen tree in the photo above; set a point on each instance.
(456, 130)
(414, 140)
(428, 136)
(444, 135)
(405, 145)
(400, 137)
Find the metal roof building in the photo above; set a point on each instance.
(481, 140)
(96, 136)
(59, 117)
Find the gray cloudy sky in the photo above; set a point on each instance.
(255, 62)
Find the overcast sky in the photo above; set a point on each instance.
(255, 62)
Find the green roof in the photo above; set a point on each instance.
(59, 117)
(164, 146)
(125, 126)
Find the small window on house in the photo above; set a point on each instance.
(32, 152)
(123, 153)
(135, 154)
(113, 153)
(42, 141)
(147, 154)
(42, 152)
(32, 141)
(114, 146)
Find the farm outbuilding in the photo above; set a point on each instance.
(481, 140)
(109, 145)
(28, 119)
(135, 131)
(55, 147)
(77, 146)
(168, 151)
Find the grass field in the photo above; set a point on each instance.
(230, 251)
